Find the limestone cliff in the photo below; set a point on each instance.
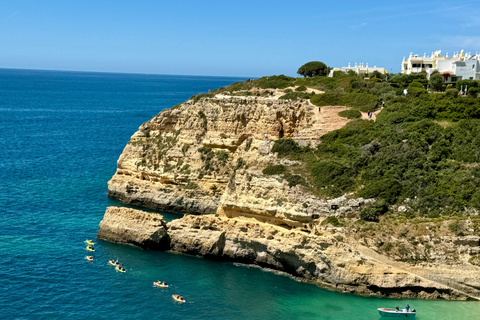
(206, 157)
(130, 226)
(330, 259)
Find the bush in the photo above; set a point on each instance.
(301, 88)
(451, 93)
(295, 96)
(464, 83)
(293, 179)
(276, 169)
(350, 114)
(286, 147)
(274, 82)
(457, 227)
(416, 91)
(436, 81)
(374, 212)
(333, 221)
(473, 91)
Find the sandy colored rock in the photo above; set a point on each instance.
(130, 226)
(328, 261)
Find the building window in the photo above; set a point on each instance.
(416, 65)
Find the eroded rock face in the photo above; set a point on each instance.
(130, 226)
(325, 260)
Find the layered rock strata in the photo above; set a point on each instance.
(130, 226)
(329, 260)
(206, 156)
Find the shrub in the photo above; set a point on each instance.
(328, 99)
(295, 95)
(457, 227)
(374, 212)
(436, 81)
(274, 169)
(191, 185)
(416, 84)
(285, 147)
(222, 157)
(293, 179)
(473, 91)
(333, 221)
(451, 93)
(274, 82)
(416, 91)
(301, 88)
(350, 114)
(464, 83)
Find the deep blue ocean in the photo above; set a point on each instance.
(61, 135)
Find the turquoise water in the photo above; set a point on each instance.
(61, 135)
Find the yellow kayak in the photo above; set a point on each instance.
(89, 258)
(113, 262)
(120, 269)
(90, 248)
(160, 284)
(178, 298)
(89, 242)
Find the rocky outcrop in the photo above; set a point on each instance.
(130, 226)
(329, 259)
(207, 155)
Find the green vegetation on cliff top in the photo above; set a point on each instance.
(423, 150)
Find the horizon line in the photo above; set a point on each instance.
(131, 73)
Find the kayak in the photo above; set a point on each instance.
(178, 298)
(89, 242)
(160, 284)
(120, 270)
(89, 248)
(394, 313)
(112, 262)
(89, 258)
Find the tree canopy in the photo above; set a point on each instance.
(313, 68)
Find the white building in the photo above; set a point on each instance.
(358, 69)
(460, 66)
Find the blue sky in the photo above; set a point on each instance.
(242, 38)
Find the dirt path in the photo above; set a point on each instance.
(423, 274)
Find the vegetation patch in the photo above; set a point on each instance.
(334, 221)
(350, 114)
(274, 169)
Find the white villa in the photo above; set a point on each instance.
(460, 66)
(358, 69)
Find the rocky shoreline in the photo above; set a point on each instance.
(206, 157)
(327, 260)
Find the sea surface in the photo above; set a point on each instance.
(61, 134)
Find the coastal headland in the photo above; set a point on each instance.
(216, 159)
